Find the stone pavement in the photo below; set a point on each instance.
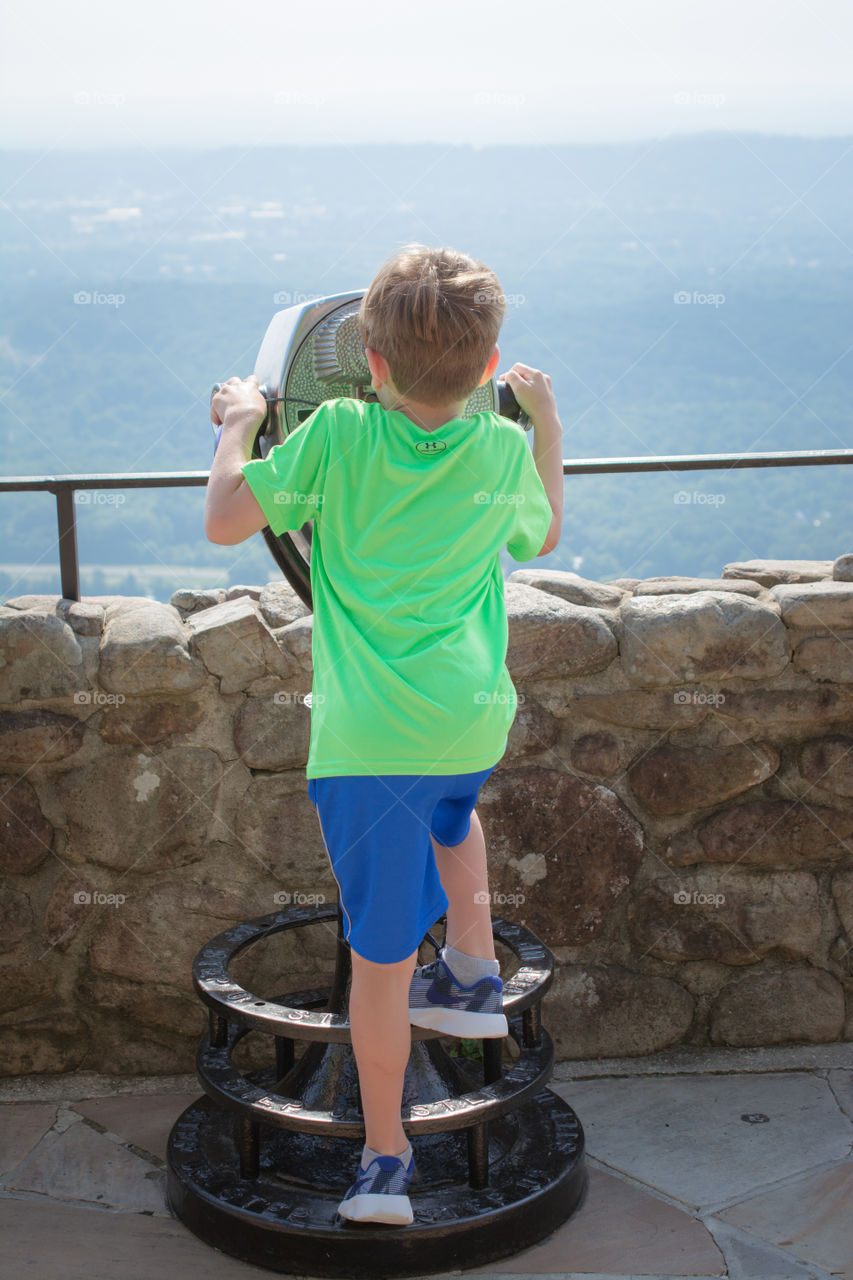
(702, 1163)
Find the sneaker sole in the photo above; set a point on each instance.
(459, 1022)
(395, 1210)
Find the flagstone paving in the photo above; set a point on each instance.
(730, 1163)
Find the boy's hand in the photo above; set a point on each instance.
(238, 403)
(532, 390)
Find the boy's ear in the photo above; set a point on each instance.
(490, 367)
(378, 366)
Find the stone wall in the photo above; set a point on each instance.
(673, 816)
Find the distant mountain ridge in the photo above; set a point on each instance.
(686, 295)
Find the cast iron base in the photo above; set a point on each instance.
(285, 1219)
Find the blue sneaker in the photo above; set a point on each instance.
(379, 1193)
(438, 1001)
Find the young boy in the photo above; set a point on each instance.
(412, 700)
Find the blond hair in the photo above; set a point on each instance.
(435, 315)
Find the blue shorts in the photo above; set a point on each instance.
(376, 830)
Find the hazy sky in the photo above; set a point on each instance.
(212, 72)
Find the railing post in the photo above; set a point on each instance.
(68, 568)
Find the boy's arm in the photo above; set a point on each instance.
(548, 457)
(532, 390)
(231, 511)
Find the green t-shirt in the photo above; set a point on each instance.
(410, 627)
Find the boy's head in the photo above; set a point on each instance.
(435, 315)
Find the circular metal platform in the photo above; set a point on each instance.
(258, 1166)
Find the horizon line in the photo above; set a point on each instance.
(408, 143)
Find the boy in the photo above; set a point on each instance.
(411, 504)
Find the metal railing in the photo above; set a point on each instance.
(64, 487)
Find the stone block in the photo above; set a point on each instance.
(784, 706)
(280, 604)
(533, 730)
(706, 636)
(48, 1043)
(842, 894)
(549, 637)
(647, 709)
(26, 836)
(133, 809)
(598, 1010)
(825, 658)
(772, 572)
(296, 642)
(36, 736)
(686, 586)
(277, 828)
(781, 833)
(190, 599)
(16, 914)
(596, 754)
(69, 908)
(800, 1005)
(842, 569)
(144, 721)
(826, 605)
(156, 934)
(571, 587)
(669, 780)
(40, 657)
(27, 985)
(273, 732)
(145, 651)
(83, 617)
(732, 917)
(828, 763)
(235, 643)
(556, 839)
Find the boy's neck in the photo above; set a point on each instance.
(427, 417)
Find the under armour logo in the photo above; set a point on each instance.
(430, 446)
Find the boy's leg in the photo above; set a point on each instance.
(381, 1041)
(464, 876)
(461, 993)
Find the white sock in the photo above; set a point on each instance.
(369, 1154)
(468, 969)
